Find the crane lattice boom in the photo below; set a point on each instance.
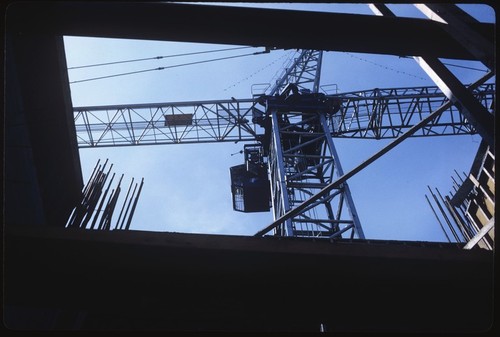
(369, 114)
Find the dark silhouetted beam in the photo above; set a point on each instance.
(241, 26)
(459, 25)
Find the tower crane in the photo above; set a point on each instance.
(290, 132)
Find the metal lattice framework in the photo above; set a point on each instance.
(301, 154)
(303, 160)
(165, 123)
(388, 113)
(370, 114)
(304, 72)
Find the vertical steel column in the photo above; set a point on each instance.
(299, 74)
(303, 168)
(358, 231)
(281, 199)
(317, 76)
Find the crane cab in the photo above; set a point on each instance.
(250, 185)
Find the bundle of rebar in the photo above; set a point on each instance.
(95, 210)
(454, 217)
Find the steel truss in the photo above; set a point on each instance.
(302, 161)
(144, 124)
(370, 114)
(302, 158)
(187, 122)
(388, 113)
(304, 72)
(298, 140)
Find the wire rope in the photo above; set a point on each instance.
(286, 64)
(255, 73)
(163, 68)
(464, 67)
(455, 65)
(156, 57)
(385, 67)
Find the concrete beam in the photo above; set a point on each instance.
(174, 281)
(460, 26)
(242, 26)
(37, 81)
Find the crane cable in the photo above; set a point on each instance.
(256, 72)
(156, 58)
(453, 65)
(385, 67)
(168, 67)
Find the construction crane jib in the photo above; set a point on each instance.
(290, 131)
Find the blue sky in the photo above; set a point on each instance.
(187, 187)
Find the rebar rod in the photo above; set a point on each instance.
(94, 171)
(103, 198)
(107, 209)
(78, 210)
(128, 206)
(112, 205)
(114, 200)
(124, 203)
(95, 195)
(457, 239)
(135, 204)
(437, 217)
(458, 219)
(93, 199)
(447, 218)
(105, 212)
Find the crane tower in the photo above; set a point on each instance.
(290, 128)
(306, 274)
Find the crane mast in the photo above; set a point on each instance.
(291, 128)
(302, 161)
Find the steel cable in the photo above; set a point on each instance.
(163, 68)
(156, 58)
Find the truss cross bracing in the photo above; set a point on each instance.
(369, 114)
(303, 161)
(298, 138)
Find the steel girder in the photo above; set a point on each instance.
(283, 29)
(370, 114)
